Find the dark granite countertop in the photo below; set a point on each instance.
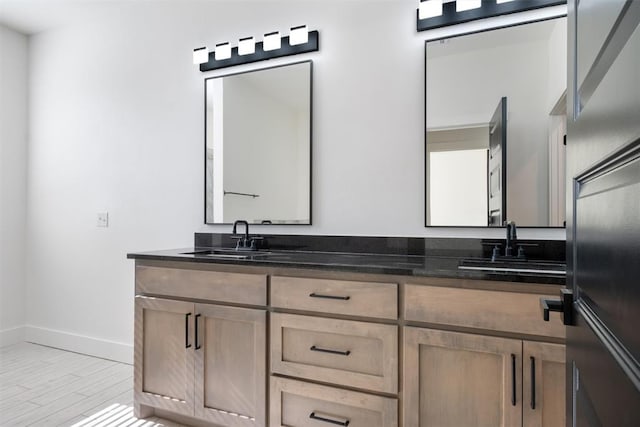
(426, 265)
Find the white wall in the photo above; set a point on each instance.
(13, 170)
(117, 124)
(557, 62)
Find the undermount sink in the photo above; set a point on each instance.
(228, 253)
(513, 266)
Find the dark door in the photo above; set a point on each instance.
(497, 170)
(603, 213)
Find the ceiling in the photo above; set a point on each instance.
(34, 16)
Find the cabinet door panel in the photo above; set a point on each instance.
(544, 384)
(231, 365)
(454, 379)
(163, 361)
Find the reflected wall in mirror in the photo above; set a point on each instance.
(485, 165)
(258, 146)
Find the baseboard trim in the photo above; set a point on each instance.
(91, 346)
(12, 336)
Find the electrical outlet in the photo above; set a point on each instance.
(102, 219)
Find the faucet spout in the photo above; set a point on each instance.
(246, 227)
(512, 238)
(243, 242)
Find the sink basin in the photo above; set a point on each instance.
(513, 266)
(227, 253)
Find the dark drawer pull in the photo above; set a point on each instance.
(513, 379)
(198, 346)
(533, 382)
(326, 350)
(186, 330)
(314, 295)
(313, 416)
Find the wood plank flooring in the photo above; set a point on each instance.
(44, 386)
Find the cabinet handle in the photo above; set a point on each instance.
(326, 350)
(313, 416)
(533, 382)
(513, 379)
(198, 346)
(186, 330)
(314, 295)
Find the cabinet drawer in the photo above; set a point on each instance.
(491, 310)
(356, 354)
(202, 284)
(295, 403)
(336, 296)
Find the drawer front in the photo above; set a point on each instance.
(336, 296)
(491, 310)
(356, 354)
(295, 403)
(202, 284)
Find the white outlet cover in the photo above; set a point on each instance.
(102, 219)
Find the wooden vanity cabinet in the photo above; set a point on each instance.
(453, 378)
(343, 354)
(344, 349)
(203, 361)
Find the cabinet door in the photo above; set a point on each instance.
(544, 384)
(163, 360)
(455, 379)
(230, 360)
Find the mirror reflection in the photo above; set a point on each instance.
(258, 146)
(495, 126)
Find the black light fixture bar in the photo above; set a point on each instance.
(488, 9)
(260, 54)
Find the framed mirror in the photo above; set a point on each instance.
(495, 127)
(258, 146)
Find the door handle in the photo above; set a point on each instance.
(186, 330)
(533, 382)
(326, 350)
(314, 295)
(339, 422)
(564, 305)
(198, 346)
(513, 379)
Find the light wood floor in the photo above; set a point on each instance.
(44, 386)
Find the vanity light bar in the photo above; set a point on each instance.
(459, 11)
(299, 40)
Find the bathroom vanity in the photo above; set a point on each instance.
(313, 338)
